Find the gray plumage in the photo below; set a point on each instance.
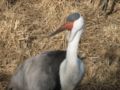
(72, 17)
(38, 73)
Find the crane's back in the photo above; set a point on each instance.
(39, 73)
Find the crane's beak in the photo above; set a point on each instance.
(60, 29)
(66, 26)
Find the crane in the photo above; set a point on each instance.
(53, 70)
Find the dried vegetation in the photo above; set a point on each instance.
(24, 24)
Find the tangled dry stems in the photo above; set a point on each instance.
(24, 25)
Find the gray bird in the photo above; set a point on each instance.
(53, 70)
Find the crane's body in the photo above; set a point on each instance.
(53, 70)
(39, 73)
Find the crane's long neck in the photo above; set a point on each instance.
(71, 55)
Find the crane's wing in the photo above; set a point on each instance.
(39, 73)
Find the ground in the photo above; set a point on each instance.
(24, 25)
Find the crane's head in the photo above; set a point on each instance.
(74, 23)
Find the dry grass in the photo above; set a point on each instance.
(24, 24)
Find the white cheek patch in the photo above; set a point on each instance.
(77, 26)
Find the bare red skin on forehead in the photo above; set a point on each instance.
(68, 25)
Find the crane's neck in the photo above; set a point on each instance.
(71, 55)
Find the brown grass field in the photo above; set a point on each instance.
(25, 23)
